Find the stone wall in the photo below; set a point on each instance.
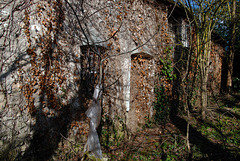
(52, 56)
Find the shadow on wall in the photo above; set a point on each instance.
(49, 129)
(48, 133)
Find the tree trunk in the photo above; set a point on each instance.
(204, 57)
(232, 44)
(204, 98)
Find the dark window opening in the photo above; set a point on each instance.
(90, 68)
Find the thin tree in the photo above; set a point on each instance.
(203, 15)
(227, 28)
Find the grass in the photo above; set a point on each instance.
(221, 129)
(219, 134)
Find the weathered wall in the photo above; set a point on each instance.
(143, 29)
(42, 76)
(215, 70)
(50, 58)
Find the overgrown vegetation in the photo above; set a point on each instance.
(51, 55)
(236, 84)
(166, 76)
(216, 138)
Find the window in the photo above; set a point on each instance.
(185, 34)
(90, 67)
(182, 31)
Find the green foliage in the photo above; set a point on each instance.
(64, 92)
(172, 147)
(161, 105)
(8, 153)
(230, 129)
(236, 84)
(114, 133)
(196, 153)
(148, 123)
(226, 130)
(167, 66)
(90, 157)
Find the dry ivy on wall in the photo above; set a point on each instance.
(142, 87)
(45, 76)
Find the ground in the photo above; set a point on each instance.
(217, 138)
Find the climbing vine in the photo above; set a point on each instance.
(45, 73)
(163, 90)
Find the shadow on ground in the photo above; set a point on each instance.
(212, 151)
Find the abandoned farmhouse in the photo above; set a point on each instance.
(56, 52)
